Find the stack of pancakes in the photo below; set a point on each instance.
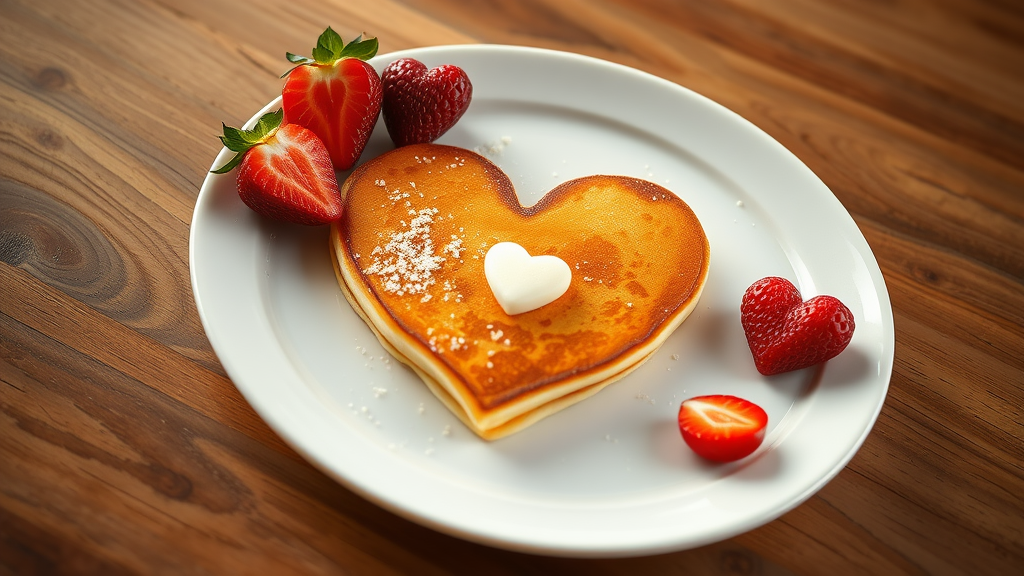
(409, 255)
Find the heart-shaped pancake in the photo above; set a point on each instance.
(409, 254)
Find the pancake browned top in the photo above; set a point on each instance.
(417, 223)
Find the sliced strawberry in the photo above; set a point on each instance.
(419, 104)
(786, 333)
(722, 428)
(284, 171)
(335, 94)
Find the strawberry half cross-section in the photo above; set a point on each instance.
(284, 172)
(336, 94)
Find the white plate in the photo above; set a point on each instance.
(609, 476)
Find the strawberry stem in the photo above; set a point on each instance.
(330, 48)
(240, 141)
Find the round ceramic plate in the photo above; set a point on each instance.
(609, 476)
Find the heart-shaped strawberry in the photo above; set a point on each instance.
(786, 333)
(420, 104)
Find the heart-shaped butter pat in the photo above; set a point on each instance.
(521, 282)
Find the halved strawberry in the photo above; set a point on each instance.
(722, 428)
(285, 172)
(335, 94)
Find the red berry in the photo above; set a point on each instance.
(786, 333)
(284, 172)
(336, 95)
(722, 428)
(419, 104)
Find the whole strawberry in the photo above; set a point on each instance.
(419, 104)
(335, 94)
(284, 171)
(786, 333)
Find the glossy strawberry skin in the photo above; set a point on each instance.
(338, 102)
(786, 333)
(722, 428)
(420, 105)
(289, 177)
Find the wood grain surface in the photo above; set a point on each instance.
(124, 448)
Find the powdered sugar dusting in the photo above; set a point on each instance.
(454, 247)
(407, 262)
(494, 148)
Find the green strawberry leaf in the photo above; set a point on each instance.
(267, 125)
(240, 141)
(348, 46)
(323, 55)
(234, 140)
(296, 59)
(328, 47)
(361, 49)
(230, 165)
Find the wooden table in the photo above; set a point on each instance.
(124, 447)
